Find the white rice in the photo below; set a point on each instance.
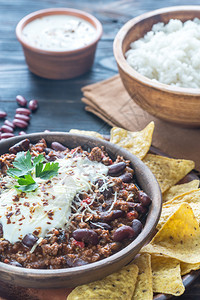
(169, 53)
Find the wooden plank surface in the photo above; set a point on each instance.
(60, 106)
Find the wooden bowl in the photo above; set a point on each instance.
(173, 104)
(59, 64)
(70, 277)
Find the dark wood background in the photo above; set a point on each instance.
(60, 107)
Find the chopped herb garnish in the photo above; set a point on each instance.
(24, 168)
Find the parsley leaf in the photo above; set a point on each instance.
(26, 183)
(24, 168)
(23, 163)
(38, 159)
(49, 170)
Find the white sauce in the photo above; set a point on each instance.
(59, 33)
(50, 205)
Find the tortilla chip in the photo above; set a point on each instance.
(180, 189)
(143, 289)
(166, 276)
(138, 143)
(187, 268)
(168, 171)
(179, 238)
(85, 132)
(169, 207)
(119, 285)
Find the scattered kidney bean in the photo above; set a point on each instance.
(141, 209)
(23, 111)
(22, 132)
(21, 100)
(57, 146)
(122, 233)
(100, 225)
(33, 105)
(21, 146)
(144, 198)
(116, 169)
(20, 123)
(29, 240)
(6, 135)
(137, 227)
(86, 235)
(22, 117)
(9, 123)
(15, 263)
(3, 114)
(112, 215)
(126, 177)
(6, 128)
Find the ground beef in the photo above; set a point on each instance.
(92, 235)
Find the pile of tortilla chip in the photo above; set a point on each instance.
(175, 249)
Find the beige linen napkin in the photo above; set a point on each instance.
(109, 100)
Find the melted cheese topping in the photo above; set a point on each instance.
(49, 206)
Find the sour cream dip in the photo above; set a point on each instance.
(59, 33)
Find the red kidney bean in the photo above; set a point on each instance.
(23, 111)
(6, 135)
(6, 128)
(137, 227)
(9, 123)
(29, 240)
(99, 225)
(57, 146)
(33, 105)
(3, 114)
(22, 117)
(141, 209)
(144, 199)
(21, 100)
(126, 177)
(86, 235)
(122, 233)
(21, 146)
(15, 263)
(112, 215)
(22, 133)
(1, 230)
(20, 123)
(117, 169)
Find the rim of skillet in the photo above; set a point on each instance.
(152, 217)
(59, 11)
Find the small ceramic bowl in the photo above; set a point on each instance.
(59, 64)
(70, 277)
(170, 103)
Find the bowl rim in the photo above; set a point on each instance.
(143, 236)
(58, 11)
(130, 71)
